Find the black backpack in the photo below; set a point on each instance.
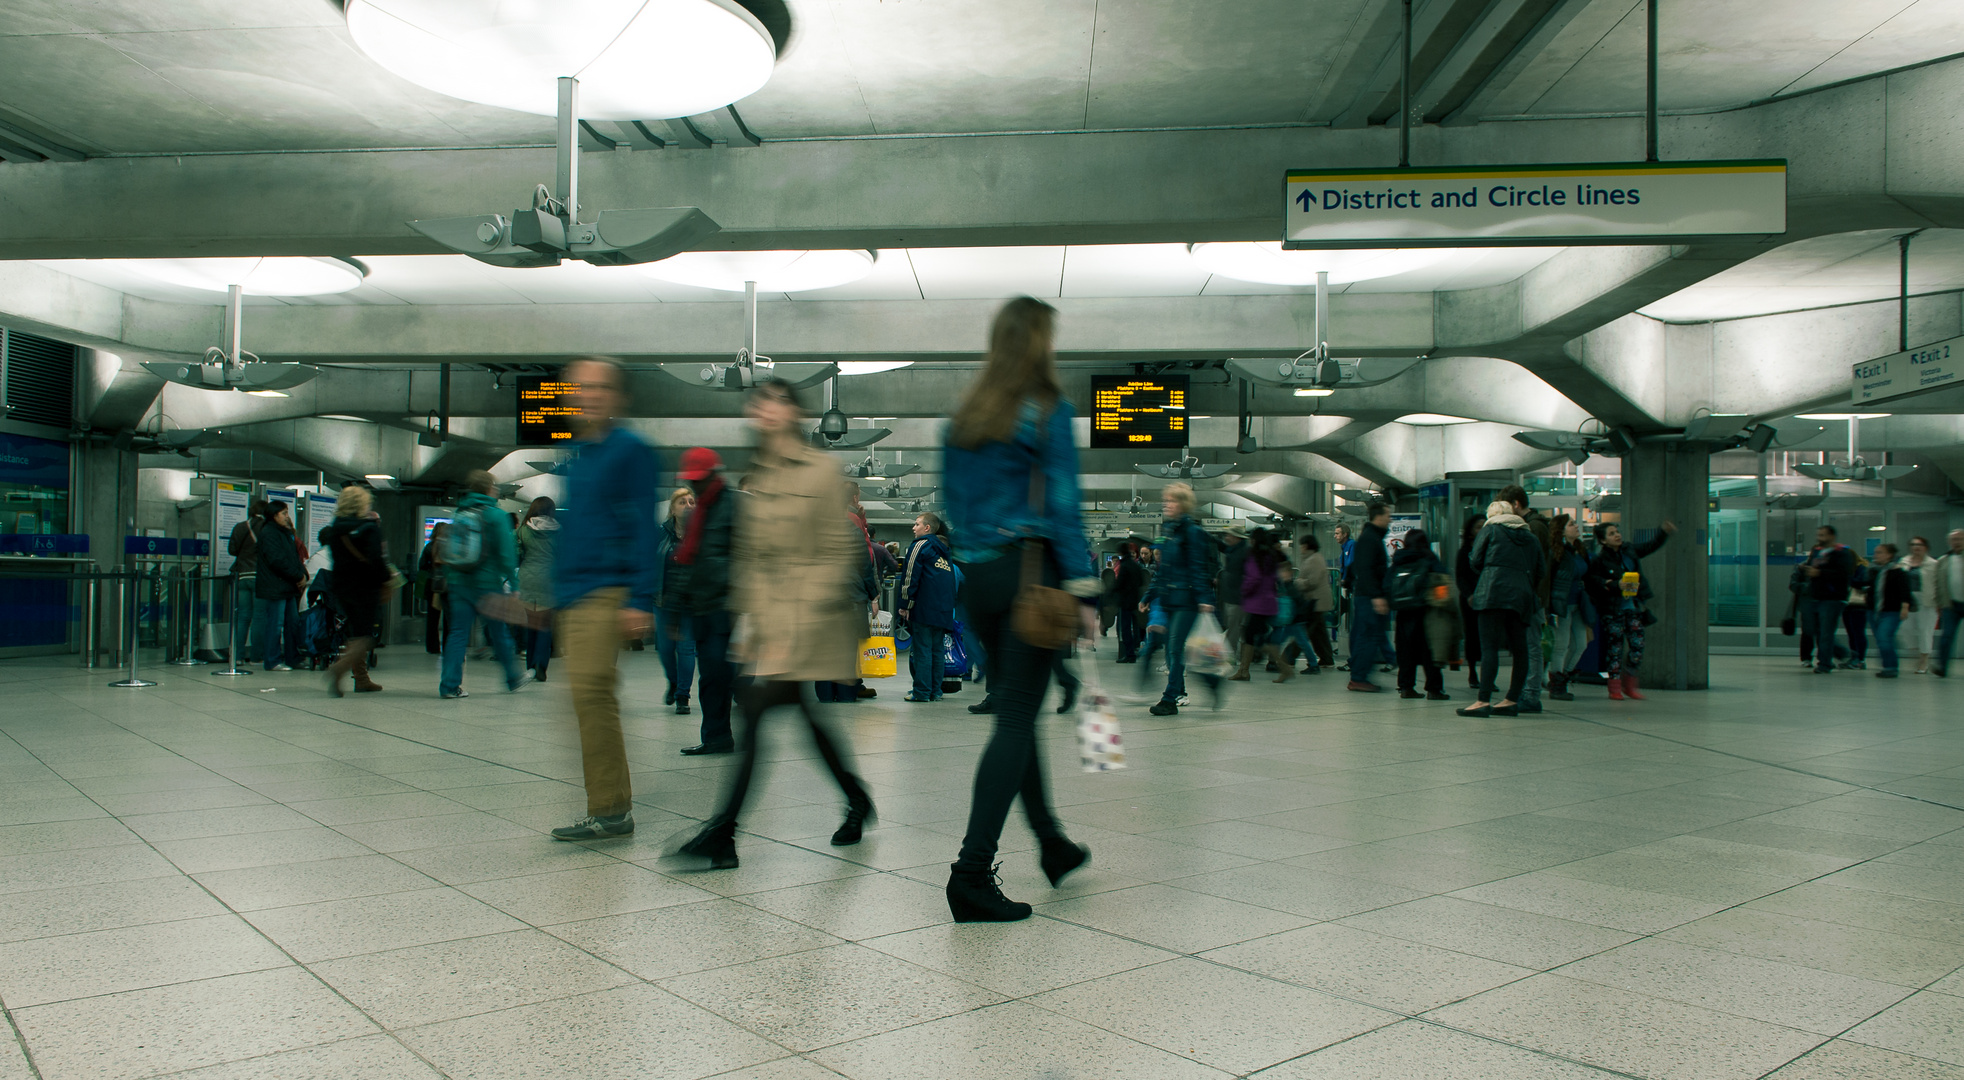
(1406, 589)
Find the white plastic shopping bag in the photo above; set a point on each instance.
(1207, 651)
(1098, 744)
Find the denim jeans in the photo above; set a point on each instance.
(1951, 616)
(1366, 640)
(1855, 620)
(1180, 618)
(242, 604)
(1824, 617)
(463, 612)
(1298, 634)
(277, 621)
(1537, 662)
(1571, 641)
(717, 676)
(1887, 624)
(675, 643)
(926, 658)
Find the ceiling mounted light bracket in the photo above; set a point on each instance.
(1854, 468)
(749, 368)
(1317, 369)
(1185, 468)
(230, 366)
(550, 230)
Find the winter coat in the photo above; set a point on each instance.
(360, 563)
(1538, 525)
(1234, 559)
(928, 590)
(992, 512)
(1571, 565)
(1368, 562)
(703, 586)
(1186, 565)
(795, 570)
(1892, 590)
(1313, 580)
(1510, 561)
(280, 568)
(243, 544)
(1429, 565)
(497, 563)
(1258, 587)
(1945, 595)
(674, 579)
(536, 539)
(1604, 580)
(1837, 566)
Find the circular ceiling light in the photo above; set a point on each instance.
(274, 276)
(1841, 416)
(1265, 262)
(773, 271)
(635, 59)
(1433, 419)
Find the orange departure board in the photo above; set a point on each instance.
(1138, 411)
(547, 406)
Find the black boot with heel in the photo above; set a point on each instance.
(977, 897)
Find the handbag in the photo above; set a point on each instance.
(1041, 617)
(1787, 625)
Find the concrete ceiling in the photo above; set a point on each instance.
(200, 76)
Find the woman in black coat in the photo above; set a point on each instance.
(1407, 583)
(361, 572)
(1468, 579)
(1621, 592)
(1509, 560)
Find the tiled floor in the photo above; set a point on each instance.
(248, 879)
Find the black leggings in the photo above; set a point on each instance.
(753, 702)
(1256, 630)
(1019, 675)
(1498, 628)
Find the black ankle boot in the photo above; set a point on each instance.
(977, 897)
(1070, 700)
(857, 814)
(1059, 857)
(716, 845)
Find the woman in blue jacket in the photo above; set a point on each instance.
(928, 604)
(1011, 469)
(1183, 589)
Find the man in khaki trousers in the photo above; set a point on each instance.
(605, 579)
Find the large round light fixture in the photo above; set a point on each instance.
(1433, 419)
(1265, 262)
(635, 59)
(872, 367)
(1841, 416)
(273, 276)
(773, 271)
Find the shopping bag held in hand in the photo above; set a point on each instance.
(877, 659)
(1098, 745)
(1207, 652)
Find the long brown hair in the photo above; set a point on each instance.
(1020, 366)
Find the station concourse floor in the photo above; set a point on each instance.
(207, 880)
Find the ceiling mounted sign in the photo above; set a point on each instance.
(1927, 368)
(1619, 202)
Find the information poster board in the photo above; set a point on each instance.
(229, 504)
(547, 406)
(1138, 412)
(1394, 537)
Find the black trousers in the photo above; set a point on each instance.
(1131, 629)
(1498, 628)
(1019, 675)
(754, 701)
(1469, 620)
(1414, 652)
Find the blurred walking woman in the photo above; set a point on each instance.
(535, 539)
(1011, 466)
(361, 570)
(796, 565)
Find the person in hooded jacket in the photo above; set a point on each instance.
(361, 573)
(1408, 581)
(1620, 591)
(927, 602)
(702, 562)
(1510, 562)
(496, 572)
(675, 637)
(281, 575)
(535, 538)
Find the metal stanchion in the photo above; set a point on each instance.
(190, 576)
(91, 620)
(232, 620)
(132, 682)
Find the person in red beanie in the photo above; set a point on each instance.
(702, 592)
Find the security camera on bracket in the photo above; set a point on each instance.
(1316, 373)
(834, 430)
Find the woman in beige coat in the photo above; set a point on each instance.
(1313, 585)
(796, 572)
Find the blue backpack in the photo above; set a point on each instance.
(463, 546)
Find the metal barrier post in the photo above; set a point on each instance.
(91, 616)
(190, 577)
(133, 682)
(232, 621)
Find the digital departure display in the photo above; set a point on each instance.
(547, 406)
(1137, 411)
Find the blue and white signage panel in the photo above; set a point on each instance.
(1538, 204)
(1926, 367)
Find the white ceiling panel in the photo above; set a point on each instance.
(988, 273)
(1847, 268)
(892, 279)
(1924, 30)
(1131, 270)
(1467, 268)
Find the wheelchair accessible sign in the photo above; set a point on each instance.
(1536, 204)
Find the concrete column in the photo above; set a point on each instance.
(1668, 482)
(105, 508)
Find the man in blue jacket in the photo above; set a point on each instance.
(479, 524)
(928, 604)
(605, 576)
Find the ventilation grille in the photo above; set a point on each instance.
(38, 375)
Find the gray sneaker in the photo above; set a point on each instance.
(455, 696)
(523, 681)
(597, 828)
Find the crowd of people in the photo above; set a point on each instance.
(758, 588)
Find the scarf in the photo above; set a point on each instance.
(692, 541)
